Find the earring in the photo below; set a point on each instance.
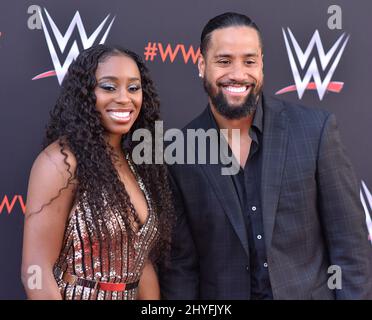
(200, 76)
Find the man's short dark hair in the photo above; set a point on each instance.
(225, 20)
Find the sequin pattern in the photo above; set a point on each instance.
(108, 260)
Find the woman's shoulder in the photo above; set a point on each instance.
(56, 157)
(52, 181)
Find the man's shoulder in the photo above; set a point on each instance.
(296, 112)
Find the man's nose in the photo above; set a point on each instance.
(238, 73)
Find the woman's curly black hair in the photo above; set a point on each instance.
(76, 124)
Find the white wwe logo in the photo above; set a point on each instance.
(62, 40)
(366, 199)
(312, 71)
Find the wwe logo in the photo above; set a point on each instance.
(60, 69)
(312, 71)
(366, 198)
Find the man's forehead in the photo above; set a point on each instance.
(235, 32)
(233, 38)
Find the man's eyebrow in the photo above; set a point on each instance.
(228, 55)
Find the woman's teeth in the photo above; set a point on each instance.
(119, 115)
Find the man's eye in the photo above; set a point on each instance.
(107, 87)
(250, 62)
(224, 61)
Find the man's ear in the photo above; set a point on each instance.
(201, 66)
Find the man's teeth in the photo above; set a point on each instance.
(236, 89)
(120, 115)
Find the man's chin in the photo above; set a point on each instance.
(234, 105)
(231, 103)
(236, 102)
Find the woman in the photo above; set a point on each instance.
(96, 222)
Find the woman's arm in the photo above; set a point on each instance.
(148, 288)
(44, 230)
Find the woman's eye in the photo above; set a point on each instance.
(134, 88)
(107, 87)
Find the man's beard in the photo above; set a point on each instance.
(233, 112)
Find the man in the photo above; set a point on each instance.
(273, 230)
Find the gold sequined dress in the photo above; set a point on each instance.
(109, 260)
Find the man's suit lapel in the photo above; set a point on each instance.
(225, 191)
(229, 200)
(275, 138)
